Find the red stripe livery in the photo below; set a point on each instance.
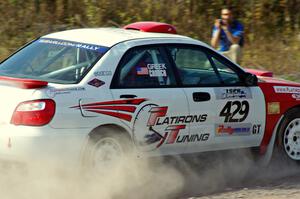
(113, 108)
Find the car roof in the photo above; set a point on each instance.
(108, 36)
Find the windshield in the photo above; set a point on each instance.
(52, 60)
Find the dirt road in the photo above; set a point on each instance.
(275, 188)
(243, 179)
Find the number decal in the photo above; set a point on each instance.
(226, 111)
(244, 110)
(235, 111)
(236, 105)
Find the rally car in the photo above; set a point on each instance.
(91, 94)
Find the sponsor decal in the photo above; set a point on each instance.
(172, 136)
(184, 119)
(122, 109)
(96, 83)
(125, 109)
(102, 73)
(287, 89)
(153, 70)
(92, 47)
(192, 138)
(296, 96)
(157, 70)
(233, 129)
(157, 116)
(52, 92)
(233, 93)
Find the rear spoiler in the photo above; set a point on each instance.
(23, 83)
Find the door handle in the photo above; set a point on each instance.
(128, 96)
(201, 96)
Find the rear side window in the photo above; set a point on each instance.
(144, 67)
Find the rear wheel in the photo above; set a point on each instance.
(106, 149)
(290, 135)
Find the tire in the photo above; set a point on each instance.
(105, 149)
(289, 136)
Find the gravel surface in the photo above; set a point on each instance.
(288, 187)
(280, 180)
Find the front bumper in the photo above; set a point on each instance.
(33, 144)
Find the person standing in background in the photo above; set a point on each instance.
(228, 36)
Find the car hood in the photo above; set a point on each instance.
(267, 77)
(280, 90)
(277, 81)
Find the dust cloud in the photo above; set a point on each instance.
(136, 178)
(131, 178)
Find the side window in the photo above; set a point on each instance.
(144, 68)
(228, 76)
(195, 68)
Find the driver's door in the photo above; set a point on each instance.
(235, 114)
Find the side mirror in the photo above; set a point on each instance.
(250, 79)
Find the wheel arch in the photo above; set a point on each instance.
(280, 122)
(109, 128)
(275, 141)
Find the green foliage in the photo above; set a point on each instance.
(271, 26)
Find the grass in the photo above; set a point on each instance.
(280, 56)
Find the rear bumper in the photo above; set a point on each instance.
(20, 144)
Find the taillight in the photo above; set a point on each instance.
(34, 113)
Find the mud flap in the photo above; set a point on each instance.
(265, 159)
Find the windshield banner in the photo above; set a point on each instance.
(93, 47)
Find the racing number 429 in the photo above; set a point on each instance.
(232, 108)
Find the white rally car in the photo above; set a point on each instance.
(84, 93)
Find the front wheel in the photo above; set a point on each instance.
(290, 135)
